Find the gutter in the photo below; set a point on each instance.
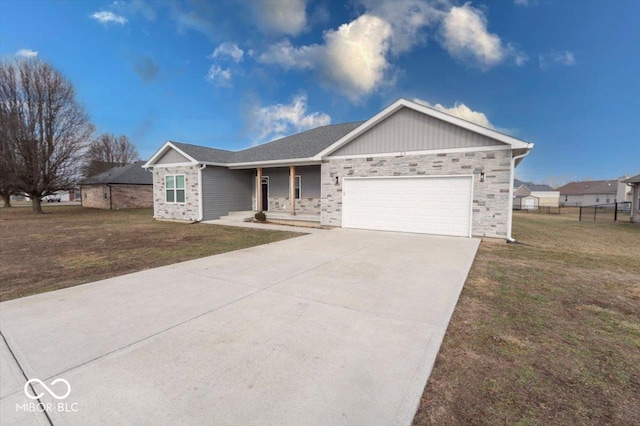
(200, 194)
(510, 239)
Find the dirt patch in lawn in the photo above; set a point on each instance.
(544, 333)
(70, 245)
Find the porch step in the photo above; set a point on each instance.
(240, 216)
(247, 215)
(273, 215)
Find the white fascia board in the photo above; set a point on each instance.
(275, 163)
(424, 152)
(402, 103)
(167, 145)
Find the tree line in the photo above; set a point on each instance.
(47, 139)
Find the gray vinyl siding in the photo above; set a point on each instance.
(279, 181)
(225, 190)
(408, 130)
(172, 157)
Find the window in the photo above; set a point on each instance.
(297, 187)
(597, 199)
(174, 188)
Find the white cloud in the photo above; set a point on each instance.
(288, 56)
(279, 120)
(281, 16)
(461, 111)
(219, 76)
(228, 49)
(565, 58)
(107, 17)
(525, 3)
(408, 19)
(26, 53)
(352, 58)
(355, 55)
(465, 36)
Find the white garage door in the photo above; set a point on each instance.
(427, 205)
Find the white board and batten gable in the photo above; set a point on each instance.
(170, 154)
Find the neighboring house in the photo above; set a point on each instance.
(530, 195)
(128, 186)
(592, 192)
(634, 183)
(409, 168)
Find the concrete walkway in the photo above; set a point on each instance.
(336, 327)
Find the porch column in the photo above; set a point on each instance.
(292, 189)
(259, 189)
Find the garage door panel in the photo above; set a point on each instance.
(432, 205)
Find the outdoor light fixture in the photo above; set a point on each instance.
(481, 176)
(337, 183)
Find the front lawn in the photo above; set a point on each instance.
(70, 245)
(544, 333)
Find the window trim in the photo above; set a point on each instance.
(297, 184)
(175, 188)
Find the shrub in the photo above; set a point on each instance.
(260, 216)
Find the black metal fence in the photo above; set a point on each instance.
(606, 212)
(540, 209)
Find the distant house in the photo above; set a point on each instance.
(634, 183)
(128, 186)
(529, 195)
(592, 192)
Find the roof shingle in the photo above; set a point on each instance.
(132, 174)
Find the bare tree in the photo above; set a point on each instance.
(43, 126)
(107, 151)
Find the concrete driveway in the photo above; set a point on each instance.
(337, 327)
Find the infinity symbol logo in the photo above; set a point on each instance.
(52, 393)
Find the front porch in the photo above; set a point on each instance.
(285, 193)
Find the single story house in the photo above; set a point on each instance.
(530, 195)
(592, 192)
(409, 168)
(634, 183)
(121, 187)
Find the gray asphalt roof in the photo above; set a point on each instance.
(531, 186)
(132, 174)
(633, 179)
(536, 187)
(589, 187)
(203, 153)
(301, 145)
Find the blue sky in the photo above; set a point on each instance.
(562, 74)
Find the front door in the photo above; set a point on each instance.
(265, 193)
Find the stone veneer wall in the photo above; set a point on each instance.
(490, 198)
(303, 206)
(177, 211)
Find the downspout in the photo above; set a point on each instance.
(110, 200)
(510, 239)
(201, 194)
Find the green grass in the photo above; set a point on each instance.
(71, 245)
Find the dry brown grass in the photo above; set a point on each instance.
(544, 333)
(70, 245)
